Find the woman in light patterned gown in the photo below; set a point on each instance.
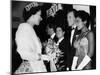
(84, 43)
(28, 43)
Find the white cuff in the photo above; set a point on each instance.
(74, 62)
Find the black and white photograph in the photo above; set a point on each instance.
(51, 37)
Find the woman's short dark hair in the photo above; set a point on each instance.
(84, 16)
(29, 10)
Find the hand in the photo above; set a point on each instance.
(45, 57)
(52, 56)
(44, 43)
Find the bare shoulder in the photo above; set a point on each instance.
(90, 34)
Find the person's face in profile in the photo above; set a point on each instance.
(50, 31)
(37, 18)
(70, 18)
(59, 32)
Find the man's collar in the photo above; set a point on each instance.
(60, 40)
(74, 26)
(53, 35)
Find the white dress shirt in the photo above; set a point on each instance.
(72, 33)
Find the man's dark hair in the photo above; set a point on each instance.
(72, 10)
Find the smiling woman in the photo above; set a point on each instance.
(84, 43)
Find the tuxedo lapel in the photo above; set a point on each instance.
(74, 36)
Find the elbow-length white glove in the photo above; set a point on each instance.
(84, 62)
(74, 63)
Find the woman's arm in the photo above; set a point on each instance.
(25, 48)
(26, 52)
(26, 55)
(24, 42)
(90, 38)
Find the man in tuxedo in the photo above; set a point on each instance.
(71, 33)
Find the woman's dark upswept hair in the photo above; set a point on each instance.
(84, 17)
(32, 11)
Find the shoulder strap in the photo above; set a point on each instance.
(85, 34)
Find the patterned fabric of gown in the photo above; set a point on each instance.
(81, 45)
